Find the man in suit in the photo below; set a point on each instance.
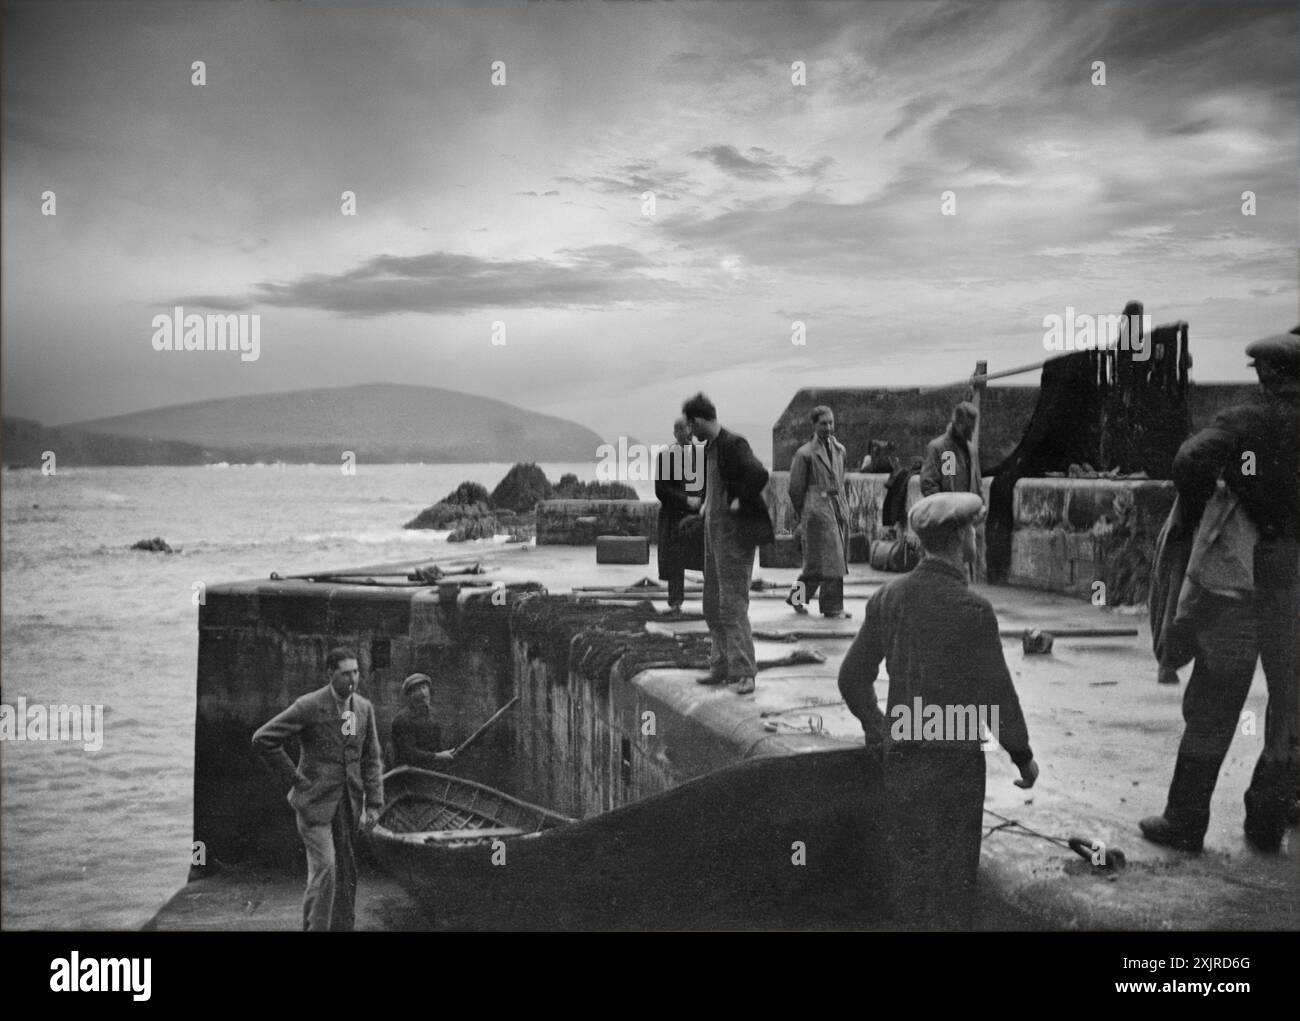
(941, 647)
(1255, 449)
(817, 496)
(338, 780)
(952, 463)
(678, 485)
(417, 739)
(736, 522)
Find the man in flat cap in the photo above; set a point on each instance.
(417, 740)
(947, 676)
(1255, 449)
(817, 495)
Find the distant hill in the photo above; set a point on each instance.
(380, 423)
(25, 443)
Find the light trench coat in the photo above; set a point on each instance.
(817, 495)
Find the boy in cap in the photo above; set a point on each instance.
(941, 646)
(1255, 448)
(417, 740)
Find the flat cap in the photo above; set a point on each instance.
(942, 513)
(1281, 349)
(414, 681)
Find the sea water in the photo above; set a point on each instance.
(100, 838)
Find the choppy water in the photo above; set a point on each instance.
(101, 839)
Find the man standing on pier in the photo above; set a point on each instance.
(678, 486)
(339, 771)
(417, 739)
(817, 495)
(1255, 448)
(952, 463)
(941, 647)
(736, 522)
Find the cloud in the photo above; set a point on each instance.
(445, 282)
(727, 159)
(758, 164)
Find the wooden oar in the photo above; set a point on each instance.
(479, 733)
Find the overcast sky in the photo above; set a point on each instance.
(523, 203)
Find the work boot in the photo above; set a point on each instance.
(1159, 830)
(1265, 824)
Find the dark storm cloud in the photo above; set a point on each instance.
(445, 282)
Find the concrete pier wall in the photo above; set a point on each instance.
(910, 417)
(1070, 534)
(262, 644)
(585, 738)
(578, 522)
(597, 732)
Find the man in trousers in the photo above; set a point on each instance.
(736, 522)
(338, 780)
(948, 681)
(1255, 449)
(817, 495)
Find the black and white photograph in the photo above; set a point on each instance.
(651, 466)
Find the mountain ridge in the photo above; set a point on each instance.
(381, 423)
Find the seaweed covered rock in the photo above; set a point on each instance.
(569, 488)
(521, 489)
(447, 515)
(467, 494)
(154, 545)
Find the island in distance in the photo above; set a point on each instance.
(383, 423)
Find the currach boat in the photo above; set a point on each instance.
(775, 841)
(442, 812)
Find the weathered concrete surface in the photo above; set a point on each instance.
(1104, 733)
(259, 899)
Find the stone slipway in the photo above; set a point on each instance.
(1104, 733)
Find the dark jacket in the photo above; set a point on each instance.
(676, 552)
(940, 643)
(966, 467)
(416, 739)
(1266, 428)
(742, 476)
(336, 755)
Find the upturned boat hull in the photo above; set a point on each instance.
(779, 841)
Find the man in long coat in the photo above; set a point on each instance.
(1255, 448)
(941, 647)
(817, 494)
(679, 479)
